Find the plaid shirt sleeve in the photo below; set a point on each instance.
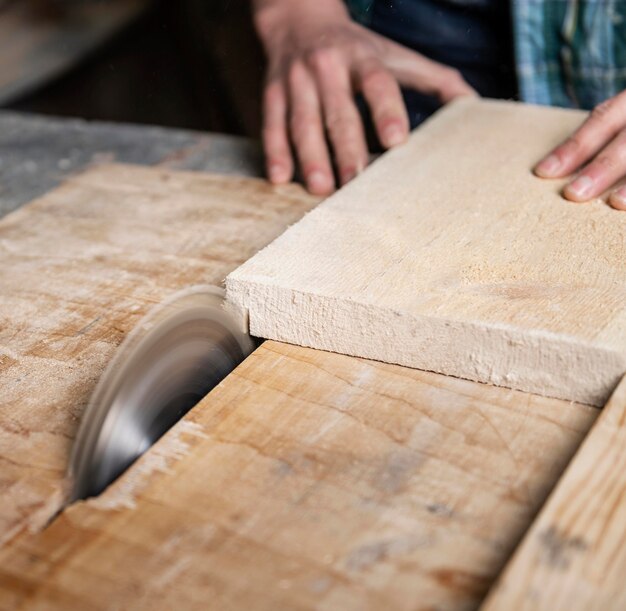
(569, 53)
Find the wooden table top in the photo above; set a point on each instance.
(306, 479)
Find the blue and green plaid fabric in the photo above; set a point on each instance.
(568, 53)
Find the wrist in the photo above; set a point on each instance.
(274, 18)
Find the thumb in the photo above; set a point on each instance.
(417, 72)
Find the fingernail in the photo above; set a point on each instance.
(278, 173)
(581, 187)
(393, 136)
(548, 167)
(618, 198)
(318, 182)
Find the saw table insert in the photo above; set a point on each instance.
(449, 255)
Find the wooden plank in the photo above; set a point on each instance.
(574, 556)
(78, 268)
(307, 480)
(449, 255)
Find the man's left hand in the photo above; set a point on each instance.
(598, 150)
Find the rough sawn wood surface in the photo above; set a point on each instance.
(448, 255)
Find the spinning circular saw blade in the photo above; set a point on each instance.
(170, 361)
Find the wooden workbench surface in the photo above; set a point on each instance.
(37, 153)
(78, 268)
(310, 480)
(305, 479)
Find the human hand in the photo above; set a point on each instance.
(318, 58)
(599, 145)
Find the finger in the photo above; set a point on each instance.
(382, 94)
(425, 75)
(603, 172)
(341, 117)
(617, 199)
(601, 125)
(307, 131)
(278, 158)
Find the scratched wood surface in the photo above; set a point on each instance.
(310, 480)
(574, 556)
(78, 268)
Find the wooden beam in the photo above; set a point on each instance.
(574, 556)
(78, 268)
(449, 255)
(310, 480)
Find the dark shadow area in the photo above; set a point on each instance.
(192, 64)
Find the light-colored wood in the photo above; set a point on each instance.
(78, 268)
(574, 556)
(449, 255)
(305, 480)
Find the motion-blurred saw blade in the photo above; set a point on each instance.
(166, 365)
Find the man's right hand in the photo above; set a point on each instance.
(318, 58)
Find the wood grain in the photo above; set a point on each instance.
(78, 268)
(310, 480)
(449, 255)
(574, 556)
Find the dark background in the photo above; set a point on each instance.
(183, 63)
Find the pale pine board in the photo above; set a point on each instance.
(78, 268)
(574, 556)
(449, 255)
(310, 480)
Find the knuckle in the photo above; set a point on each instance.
(335, 121)
(375, 78)
(453, 75)
(340, 117)
(387, 115)
(295, 73)
(302, 125)
(273, 94)
(341, 127)
(272, 136)
(602, 112)
(320, 58)
(572, 145)
(448, 77)
(607, 162)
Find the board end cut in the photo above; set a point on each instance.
(449, 255)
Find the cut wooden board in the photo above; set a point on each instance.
(574, 556)
(449, 255)
(78, 268)
(310, 480)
